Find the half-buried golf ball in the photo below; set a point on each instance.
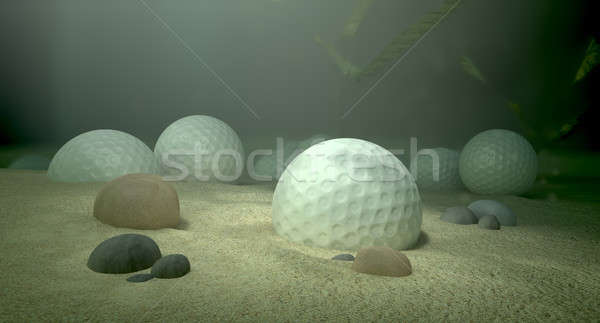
(498, 161)
(437, 169)
(346, 194)
(273, 165)
(101, 155)
(200, 148)
(30, 161)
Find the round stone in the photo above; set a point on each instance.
(346, 194)
(439, 175)
(200, 148)
(501, 211)
(171, 266)
(459, 215)
(498, 161)
(138, 201)
(125, 253)
(383, 261)
(101, 155)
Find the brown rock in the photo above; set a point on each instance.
(383, 261)
(138, 201)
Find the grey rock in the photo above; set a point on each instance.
(344, 257)
(502, 212)
(489, 222)
(459, 215)
(171, 266)
(125, 253)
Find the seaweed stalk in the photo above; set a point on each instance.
(590, 60)
(345, 66)
(472, 70)
(395, 49)
(407, 38)
(358, 15)
(555, 131)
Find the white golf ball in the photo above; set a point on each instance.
(101, 155)
(200, 148)
(30, 161)
(346, 194)
(498, 161)
(441, 175)
(267, 165)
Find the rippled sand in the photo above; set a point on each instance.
(545, 269)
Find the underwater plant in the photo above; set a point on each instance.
(560, 119)
(358, 15)
(545, 119)
(395, 49)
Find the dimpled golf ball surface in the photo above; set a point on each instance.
(101, 155)
(346, 194)
(205, 137)
(447, 169)
(498, 161)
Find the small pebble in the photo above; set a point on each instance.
(171, 266)
(489, 222)
(344, 257)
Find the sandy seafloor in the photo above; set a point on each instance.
(545, 269)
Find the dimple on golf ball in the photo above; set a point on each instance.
(346, 194)
(437, 169)
(200, 147)
(101, 155)
(272, 165)
(498, 161)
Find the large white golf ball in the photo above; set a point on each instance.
(101, 155)
(437, 169)
(200, 148)
(346, 194)
(273, 165)
(498, 161)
